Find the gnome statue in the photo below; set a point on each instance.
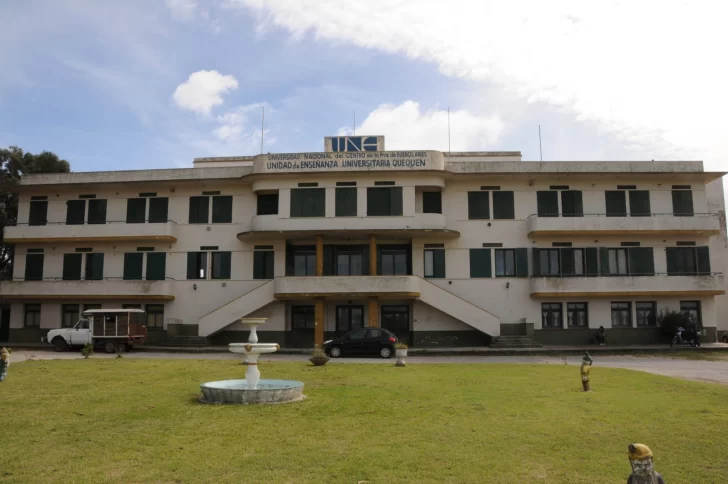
(4, 363)
(640, 458)
(586, 363)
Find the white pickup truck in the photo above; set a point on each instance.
(114, 330)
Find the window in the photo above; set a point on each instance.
(621, 315)
(133, 266)
(267, 204)
(503, 207)
(480, 263)
(38, 212)
(158, 208)
(346, 202)
(358, 335)
(72, 267)
(32, 315)
(94, 267)
(547, 203)
(97, 211)
(136, 210)
(571, 203)
(199, 210)
(641, 261)
(565, 261)
(682, 203)
(393, 261)
(478, 205)
(646, 313)
(616, 203)
(577, 315)
(639, 203)
(69, 315)
(384, 202)
(549, 262)
(34, 267)
(349, 263)
(263, 264)
(75, 212)
(302, 317)
(435, 263)
(222, 210)
(505, 262)
(220, 265)
(572, 262)
(308, 202)
(617, 262)
(197, 265)
(688, 260)
(304, 262)
(431, 202)
(156, 266)
(692, 310)
(155, 316)
(551, 316)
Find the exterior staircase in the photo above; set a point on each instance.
(185, 341)
(237, 308)
(514, 342)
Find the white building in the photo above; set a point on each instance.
(449, 249)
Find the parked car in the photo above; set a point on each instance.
(364, 341)
(114, 330)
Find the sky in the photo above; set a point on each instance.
(140, 84)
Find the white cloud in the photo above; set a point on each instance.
(649, 72)
(407, 127)
(182, 9)
(203, 91)
(236, 124)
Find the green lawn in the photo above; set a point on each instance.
(132, 420)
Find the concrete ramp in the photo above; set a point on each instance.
(459, 308)
(236, 309)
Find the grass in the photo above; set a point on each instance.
(688, 355)
(133, 420)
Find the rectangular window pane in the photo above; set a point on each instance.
(480, 262)
(38, 212)
(267, 204)
(639, 203)
(94, 267)
(478, 205)
(75, 212)
(646, 313)
(263, 264)
(34, 267)
(220, 265)
(571, 204)
(578, 262)
(682, 203)
(308, 202)
(432, 202)
(577, 315)
(551, 316)
(554, 262)
(621, 314)
(548, 203)
(155, 316)
(505, 262)
(692, 310)
(156, 266)
(503, 207)
(136, 210)
(196, 265)
(97, 211)
(69, 315)
(158, 208)
(72, 267)
(429, 263)
(346, 202)
(133, 265)
(199, 210)
(32, 315)
(616, 203)
(222, 210)
(384, 202)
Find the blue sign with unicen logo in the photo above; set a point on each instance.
(340, 144)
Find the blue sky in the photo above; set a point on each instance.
(154, 84)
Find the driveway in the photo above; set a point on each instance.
(701, 370)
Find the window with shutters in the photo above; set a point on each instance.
(197, 265)
(155, 316)
(692, 310)
(222, 209)
(34, 267)
(646, 312)
(393, 261)
(158, 208)
(682, 203)
(505, 262)
(621, 315)
(199, 210)
(431, 202)
(572, 262)
(94, 267)
(220, 265)
(503, 206)
(97, 211)
(616, 202)
(435, 263)
(133, 262)
(547, 203)
(72, 267)
(480, 263)
(156, 266)
(552, 315)
(688, 260)
(618, 262)
(577, 315)
(639, 203)
(308, 202)
(75, 212)
(549, 262)
(267, 204)
(263, 264)
(478, 205)
(69, 315)
(32, 315)
(136, 210)
(384, 201)
(38, 212)
(346, 201)
(571, 203)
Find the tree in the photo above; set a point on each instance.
(14, 164)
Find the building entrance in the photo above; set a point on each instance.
(396, 319)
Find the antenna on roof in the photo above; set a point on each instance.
(539, 142)
(262, 130)
(354, 122)
(448, 129)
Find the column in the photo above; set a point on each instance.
(372, 255)
(319, 255)
(373, 313)
(318, 337)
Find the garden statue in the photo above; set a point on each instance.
(640, 458)
(586, 363)
(4, 363)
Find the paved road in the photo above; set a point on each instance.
(710, 371)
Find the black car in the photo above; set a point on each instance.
(364, 341)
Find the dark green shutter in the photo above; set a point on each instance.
(478, 205)
(97, 211)
(290, 261)
(263, 264)
(269, 264)
(571, 203)
(616, 203)
(330, 265)
(133, 262)
(547, 203)
(479, 263)
(158, 208)
(72, 267)
(220, 265)
(432, 202)
(199, 209)
(34, 267)
(267, 204)
(604, 260)
(439, 260)
(395, 201)
(38, 213)
(639, 203)
(521, 262)
(503, 208)
(75, 212)
(94, 267)
(641, 261)
(195, 262)
(222, 210)
(682, 202)
(156, 266)
(672, 264)
(297, 196)
(536, 260)
(703, 260)
(383, 202)
(346, 202)
(567, 262)
(592, 262)
(136, 209)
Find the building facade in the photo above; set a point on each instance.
(446, 249)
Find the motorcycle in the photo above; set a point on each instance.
(690, 337)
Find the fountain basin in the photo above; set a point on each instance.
(237, 391)
(248, 348)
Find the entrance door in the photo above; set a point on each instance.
(396, 319)
(4, 324)
(303, 322)
(349, 318)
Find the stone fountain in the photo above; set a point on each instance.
(252, 389)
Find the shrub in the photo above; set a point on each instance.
(87, 350)
(668, 320)
(400, 346)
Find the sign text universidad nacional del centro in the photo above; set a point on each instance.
(350, 161)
